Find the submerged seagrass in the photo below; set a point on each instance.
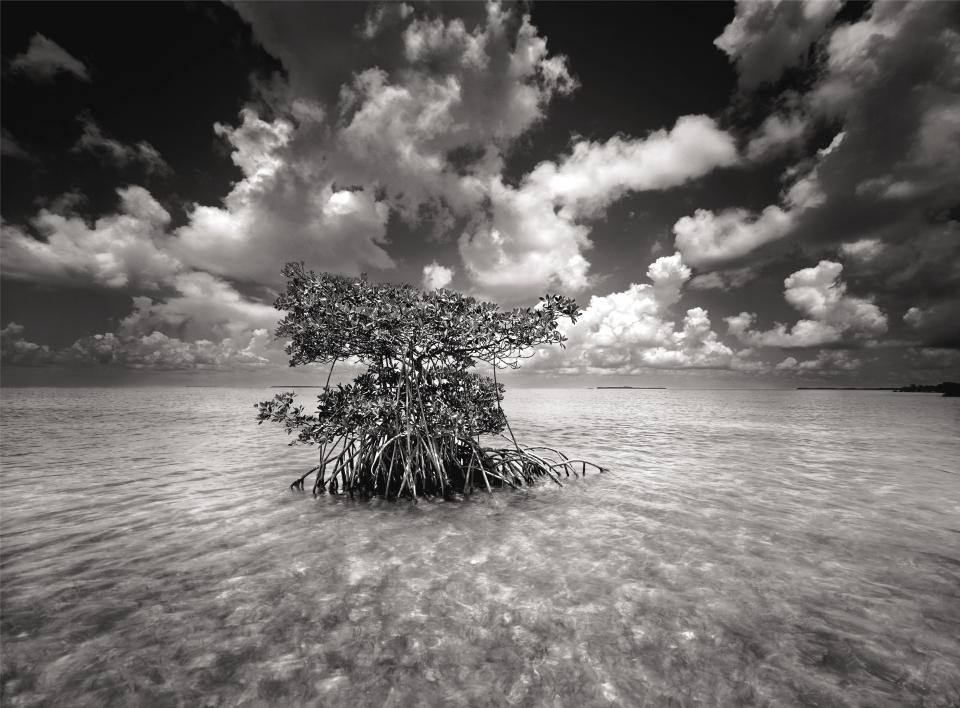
(411, 425)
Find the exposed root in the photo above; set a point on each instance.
(412, 465)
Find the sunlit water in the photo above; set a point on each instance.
(748, 548)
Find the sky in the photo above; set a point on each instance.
(750, 194)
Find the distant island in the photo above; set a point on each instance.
(639, 388)
(948, 388)
(846, 388)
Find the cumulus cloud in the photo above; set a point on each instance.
(707, 239)
(766, 37)
(320, 181)
(44, 59)
(193, 319)
(831, 315)
(936, 324)
(827, 361)
(777, 133)
(429, 138)
(436, 276)
(117, 250)
(864, 250)
(883, 197)
(204, 323)
(425, 139)
(108, 149)
(632, 330)
(390, 138)
(157, 351)
(458, 89)
(537, 232)
(282, 211)
(154, 351)
(383, 15)
(596, 174)
(17, 351)
(200, 307)
(524, 246)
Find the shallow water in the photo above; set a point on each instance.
(770, 548)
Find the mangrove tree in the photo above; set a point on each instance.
(418, 420)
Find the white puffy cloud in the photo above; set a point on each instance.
(881, 196)
(913, 316)
(767, 36)
(426, 39)
(777, 133)
(524, 247)
(201, 307)
(863, 250)
(17, 351)
(109, 149)
(319, 183)
(430, 136)
(154, 351)
(117, 250)
(258, 146)
(206, 324)
(44, 59)
(390, 141)
(854, 55)
(832, 316)
(382, 15)
(157, 351)
(537, 233)
(194, 320)
(477, 89)
(425, 138)
(628, 331)
(596, 174)
(281, 211)
(436, 276)
(827, 361)
(707, 239)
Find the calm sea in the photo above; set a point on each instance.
(771, 548)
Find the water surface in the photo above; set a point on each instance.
(771, 548)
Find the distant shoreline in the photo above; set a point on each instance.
(638, 388)
(949, 389)
(847, 388)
